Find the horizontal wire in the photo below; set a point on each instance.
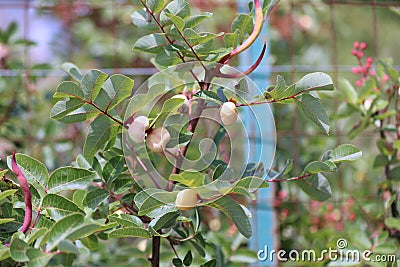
(151, 71)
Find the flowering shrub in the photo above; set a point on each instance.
(154, 158)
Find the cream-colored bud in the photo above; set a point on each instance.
(137, 129)
(186, 199)
(157, 139)
(228, 113)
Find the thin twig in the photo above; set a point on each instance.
(297, 178)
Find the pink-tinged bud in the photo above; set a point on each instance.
(359, 83)
(388, 91)
(360, 69)
(360, 54)
(157, 139)
(372, 73)
(356, 45)
(137, 129)
(354, 70)
(368, 103)
(386, 77)
(370, 60)
(363, 46)
(354, 52)
(228, 113)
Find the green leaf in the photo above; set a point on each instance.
(167, 58)
(199, 38)
(68, 89)
(92, 82)
(61, 230)
(316, 186)
(139, 18)
(209, 96)
(113, 168)
(72, 70)
(129, 232)
(126, 220)
(394, 174)
(64, 107)
(101, 130)
(234, 211)
(18, 249)
(35, 172)
(150, 199)
(193, 21)
(95, 197)
(153, 43)
(155, 5)
(6, 220)
(189, 178)
(73, 115)
(165, 221)
(314, 111)
(7, 193)
(244, 24)
(177, 262)
(91, 242)
(70, 178)
(393, 223)
(118, 88)
(232, 39)
(348, 91)
(179, 8)
(317, 167)
(314, 81)
(345, 152)
(59, 206)
(4, 253)
(38, 258)
(177, 21)
(187, 260)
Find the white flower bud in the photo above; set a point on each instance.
(228, 113)
(157, 139)
(186, 199)
(137, 129)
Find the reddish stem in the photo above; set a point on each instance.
(27, 194)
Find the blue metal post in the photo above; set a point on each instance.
(263, 214)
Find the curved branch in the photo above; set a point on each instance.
(27, 194)
(249, 70)
(253, 36)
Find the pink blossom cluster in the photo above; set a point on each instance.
(363, 69)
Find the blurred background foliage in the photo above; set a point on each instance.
(314, 35)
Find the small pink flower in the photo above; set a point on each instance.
(370, 60)
(360, 54)
(385, 77)
(354, 52)
(363, 46)
(354, 70)
(356, 45)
